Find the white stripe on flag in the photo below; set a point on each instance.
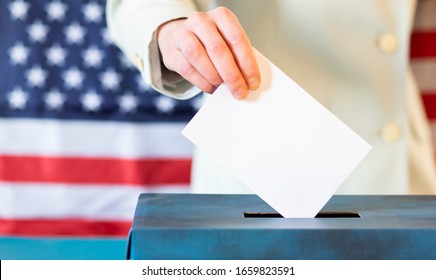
(64, 201)
(86, 138)
(425, 70)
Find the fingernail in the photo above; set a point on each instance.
(241, 93)
(254, 83)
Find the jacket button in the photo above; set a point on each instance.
(390, 132)
(388, 43)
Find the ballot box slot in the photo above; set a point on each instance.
(319, 215)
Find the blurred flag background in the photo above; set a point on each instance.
(81, 135)
(423, 56)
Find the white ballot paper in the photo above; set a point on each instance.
(282, 143)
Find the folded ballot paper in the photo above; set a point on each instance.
(282, 143)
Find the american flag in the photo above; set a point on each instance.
(423, 57)
(81, 135)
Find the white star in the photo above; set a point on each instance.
(56, 55)
(54, 100)
(36, 76)
(92, 57)
(37, 31)
(110, 80)
(18, 9)
(128, 102)
(164, 104)
(56, 10)
(143, 86)
(92, 12)
(73, 78)
(106, 36)
(17, 99)
(91, 101)
(18, 54)
(75, 33)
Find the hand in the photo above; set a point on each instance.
(208, 49)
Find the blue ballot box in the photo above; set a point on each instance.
(200, 226)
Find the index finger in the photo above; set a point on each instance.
(204, 27)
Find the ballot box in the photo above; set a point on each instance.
(237, 227)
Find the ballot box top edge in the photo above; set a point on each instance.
(213, 211)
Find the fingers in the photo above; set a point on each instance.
(183, 53)
(208, 49)
(239, 44)
(189, 73)
(205, 29)
(196, 55)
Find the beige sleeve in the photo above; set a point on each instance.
(132, 25)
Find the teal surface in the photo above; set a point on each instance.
(12, 248)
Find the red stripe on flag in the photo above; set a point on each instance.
(64, 227)
(76, 170)
(423, 44)
(429, 99)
